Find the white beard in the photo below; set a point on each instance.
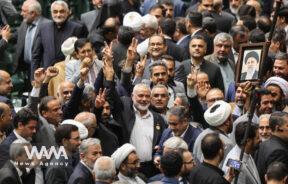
(141, 107)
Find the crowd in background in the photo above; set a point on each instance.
(153, 91)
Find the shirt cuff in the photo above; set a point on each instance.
(35, 92)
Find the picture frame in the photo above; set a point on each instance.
(249, 63)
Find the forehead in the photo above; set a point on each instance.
(142, 90)
(132, 156)
(281, 62)
(172, 117)
(67, 85)
(58, 7)
(159, 91)
(214, 93)
(53, 103)
(156, 39)
(94, 147)
(226, 42)
(264, 122)
(75, 134)
(158, 69)
(197, 41)
(274, 88)
(207, 1)
(32, 123)
(87, 45)
(187, 155)
(266, 97)
(202, 76)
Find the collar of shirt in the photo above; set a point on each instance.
(19, 136)
(181, 39)
(86, 166)
(167, 37)
(146, 116)
(183, 134)
(197, 30)
(20, 173)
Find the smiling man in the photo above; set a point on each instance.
(47, 46)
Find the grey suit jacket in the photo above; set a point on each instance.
(8, 13)
(89, 18)
(21, 34)
(9, 174)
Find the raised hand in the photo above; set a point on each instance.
(39, 76)
(132, 51)
(108, 69)
(50, 72)
(100, 98)
(107, 52)
(140, 67)
(191, 80)
(87, 62)
(84, 73)
(6, 32)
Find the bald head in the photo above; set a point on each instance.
(88, 119)
(6, 85)
(104, 169)
(5, 116)
(65, 91)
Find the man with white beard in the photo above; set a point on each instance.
(140, 126)
(234, 6)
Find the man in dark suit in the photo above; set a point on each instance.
(46, 49)
(109, 141)
(181, 34)
(194, 27)
(91, 19)
(32, 19)
(90, 150)
(198, 63)
(132, 114)
(25, 123)
(179, 126)
(275, 148)
(12, 171)
(168, 27)
(66, 136)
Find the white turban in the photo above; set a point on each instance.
(218, 113)
(67, 46)
(122, 153)
(282, 83)
(133, 20)
(83, 131)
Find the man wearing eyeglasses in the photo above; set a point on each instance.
(128, 163)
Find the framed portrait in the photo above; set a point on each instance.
(249, 62)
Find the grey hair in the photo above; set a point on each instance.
(88, 142)
(104, 171)
(17, 148)
(60, 2)
(140, 85)
(35, 6)
(181, 112)
(150, 21)
(183, 98)
(161, 86)
(175, 143)
(267, 116)
(223, 37)
(88, 89)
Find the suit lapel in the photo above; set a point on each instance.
(14, 171)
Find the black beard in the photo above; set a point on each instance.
(223, 59)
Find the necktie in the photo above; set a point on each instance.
(28, 44)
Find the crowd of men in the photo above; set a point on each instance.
(146, 92)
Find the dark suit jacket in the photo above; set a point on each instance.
(109, 141)
(189, 137)
(21, 34)
(81, 175)
(59, 174)
(4, 148)
(177, 52)
(43, 51)
(272, 150)
(9, 174)
(213, 71)
(185, 43)
(123, 112)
